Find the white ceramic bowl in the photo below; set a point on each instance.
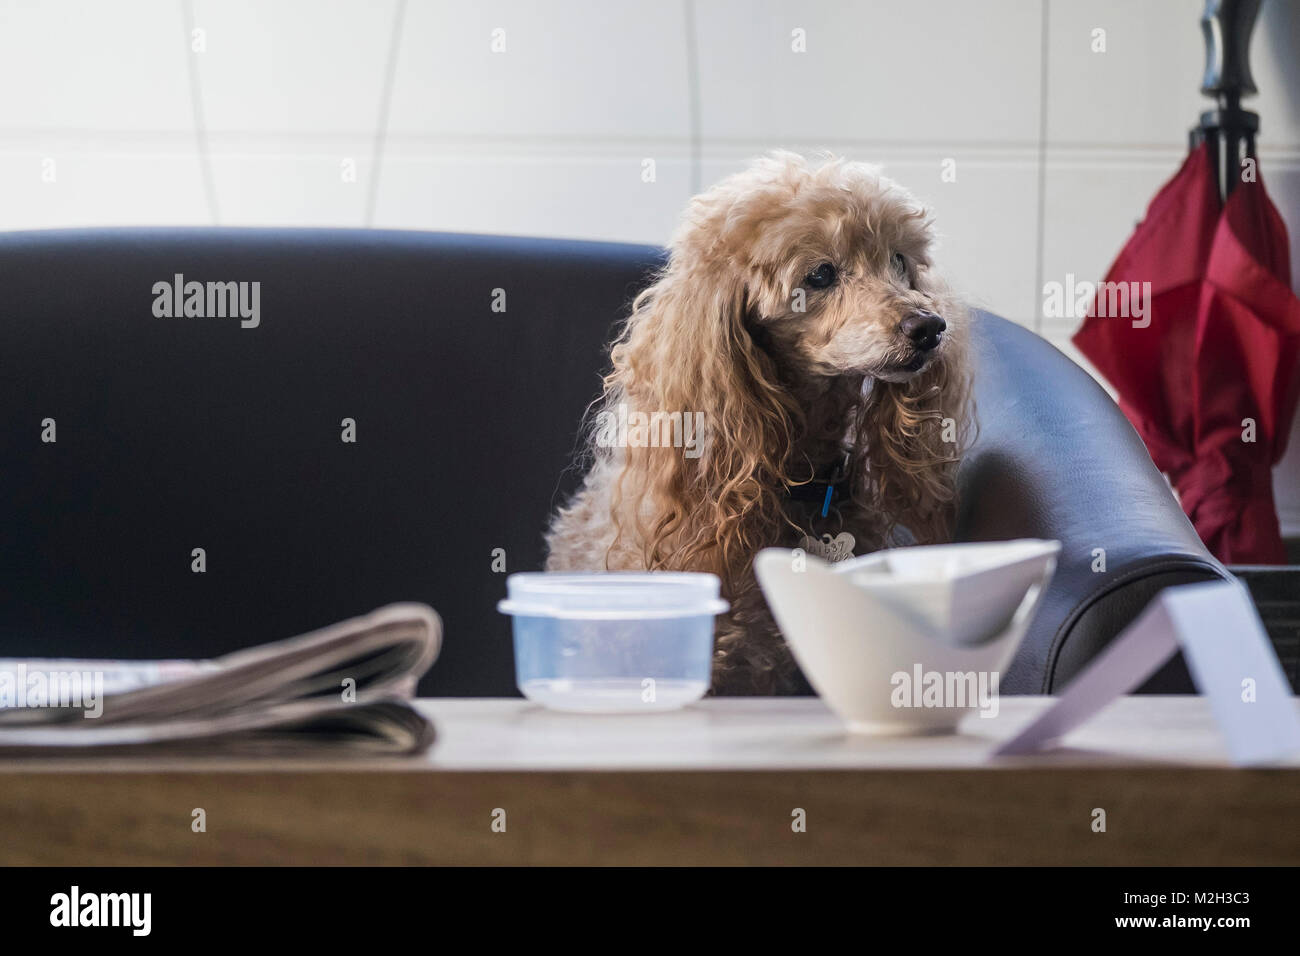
(871, 633)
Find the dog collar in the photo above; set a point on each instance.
(824, 487)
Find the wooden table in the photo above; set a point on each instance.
(718, 783)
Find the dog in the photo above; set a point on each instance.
(801, 318)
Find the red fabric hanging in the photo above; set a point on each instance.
(1221, 351)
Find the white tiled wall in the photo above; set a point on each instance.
(398, 113)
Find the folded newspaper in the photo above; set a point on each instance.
(342, 689)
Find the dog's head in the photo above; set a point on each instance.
(793, 290)
(829, 266)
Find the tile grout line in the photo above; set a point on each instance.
(196, 108)
(385, 103)
(1044, 35)
(320, 144)
(693, 92)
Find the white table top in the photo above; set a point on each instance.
(802, 734)
(728, 734)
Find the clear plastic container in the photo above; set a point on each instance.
(615, 641)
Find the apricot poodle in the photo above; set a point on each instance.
(801, 321)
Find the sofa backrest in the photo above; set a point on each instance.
(464, 365)
(185, 432)
(1057, 459)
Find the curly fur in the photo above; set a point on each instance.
(783, 392)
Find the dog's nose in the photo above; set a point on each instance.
(924, 328)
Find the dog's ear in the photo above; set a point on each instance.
(687, 346)
(686, 349)
(915, 433)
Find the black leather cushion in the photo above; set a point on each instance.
(182, 433)
(176, 433)
(1056, 458)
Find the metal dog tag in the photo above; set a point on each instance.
(830, 549)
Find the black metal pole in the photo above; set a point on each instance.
(1229, 129)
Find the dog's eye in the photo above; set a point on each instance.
(899, 264)
(821, 277)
